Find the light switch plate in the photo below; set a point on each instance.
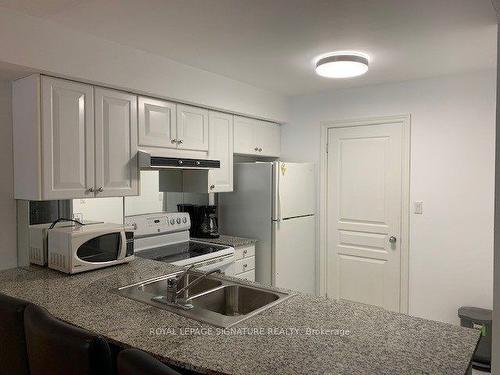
(418, 207)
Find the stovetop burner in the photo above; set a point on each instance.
(179, 251)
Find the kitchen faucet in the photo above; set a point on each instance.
(172, 295)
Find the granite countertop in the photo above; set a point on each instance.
(303, 335)
(228, 240)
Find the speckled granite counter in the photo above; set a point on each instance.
(286, 339)
(228, 240)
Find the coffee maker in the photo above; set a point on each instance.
(203, 220)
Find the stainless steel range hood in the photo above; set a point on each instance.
(155, 162)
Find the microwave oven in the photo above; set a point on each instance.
(82, 248)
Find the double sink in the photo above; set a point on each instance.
(220, 302)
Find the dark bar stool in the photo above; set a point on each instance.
(137, 362)
(58, 348)
(13, 355)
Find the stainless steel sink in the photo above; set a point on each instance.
(235, 300)
(220, 302)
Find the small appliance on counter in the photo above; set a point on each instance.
(203, 220)
(165, 237)
(38, 239)
(79, 248)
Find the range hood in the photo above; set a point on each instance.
(150, 161)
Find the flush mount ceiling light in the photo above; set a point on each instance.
(342, 65)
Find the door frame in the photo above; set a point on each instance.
(322, 264)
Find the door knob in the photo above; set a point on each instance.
(392, 239)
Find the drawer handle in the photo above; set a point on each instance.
(245, 252)
(245, 265)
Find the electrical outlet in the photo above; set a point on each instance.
(418, 207)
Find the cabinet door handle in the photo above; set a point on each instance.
(256, 149)
(90, 190)
(179, 141)
(260, 150)
(212, 187)
(100, 190)
(173, 141)
(245, 252)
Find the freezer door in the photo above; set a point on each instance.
(294, 190)
(294, 254)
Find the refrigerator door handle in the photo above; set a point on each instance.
(278, 188)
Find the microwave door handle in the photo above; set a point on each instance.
(123, 242)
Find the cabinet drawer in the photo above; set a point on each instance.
(249, 275)
(244, 265)
(244, 252)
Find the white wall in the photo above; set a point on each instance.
(109, 210)
(150, 200)
(452, 171)
(8, 250)
(47, 47)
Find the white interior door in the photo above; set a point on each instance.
(116, 168)
(364, 213)
(295, 190)
(295, 253)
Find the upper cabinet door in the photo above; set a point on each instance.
(67, 139)
(221, 148)
(268, 137)
(192, 128)
(244, 140)
(157, 123)
(116, 143)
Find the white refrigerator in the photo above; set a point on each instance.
(275, 203)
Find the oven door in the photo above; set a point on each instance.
(101, 249)
(225, 264)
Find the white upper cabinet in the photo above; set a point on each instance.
(221, 148)
(254, 137)
(116, 169)
(192, 128)
(73, 141)
(157, 123)
(244, 142)
(268, 139)
(67, 139)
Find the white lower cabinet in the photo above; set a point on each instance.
(72, 140)
(244, 264)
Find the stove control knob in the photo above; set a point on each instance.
(172, 221)
(184, 220)
(178, 220)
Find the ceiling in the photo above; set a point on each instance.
(271, 44)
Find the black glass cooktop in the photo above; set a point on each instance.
(179, 251)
